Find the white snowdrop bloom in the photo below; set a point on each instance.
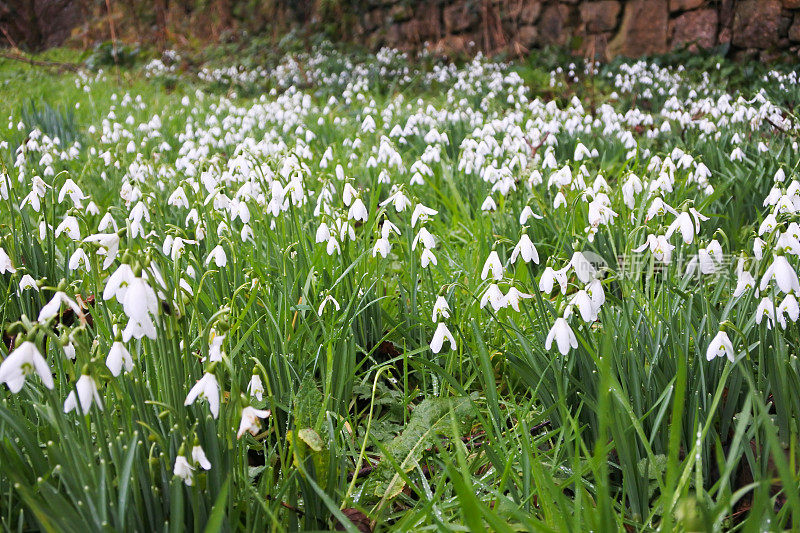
(659, 246)
(768, 225)
(250, 423)
(595, 291)
(333, 246)
(199, 457)
(527, 213)
(758, 248)
(255, 387)
(117, 283)
(581, 152)
(425, 237)
(744, 280)
(215, 351)
(788, 307)
(427, 257)
(563, 335)
(87, 395)
(69, 226)
(550, 276)
(720, 346)
(109, 246)
(107, 222)
(323, 233)
(51, 308)
(400, 202)
(368, 125)
(77, 260)
(22, 362)
(327, 299)
(206, 388)
(784, 275)
(69, 351)
(766, 309)
(421, 213)
(525, 249)
(584, 270)
(440, 309)
(183, 470)
(358, 211)
(684, 223)
(492, 265)
(586, 308)
(658, 207)
(631, 187)
(737, 154)
(218, 256)
(560, 200)
(178, 198)
(27, 282)
(5, 263)
(139, 302)
(382, 246)
(439, 336)
(513, 297)
(488, 204)
(494, 296)
(348, 194)
(780, 176)
(118, 358)
(71, 189)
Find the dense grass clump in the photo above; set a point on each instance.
(374, 292)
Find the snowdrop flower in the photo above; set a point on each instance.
(494, 296)
(69, 226)
(563, 335)
(527, 212)
(327, 299)
(71, 189)
(323, 233)
(421, 213)
(525, 249)
(768, 225)
(118, 358)
(425, 236)
(332, 246)
(659, 247)
(688, 224)
(27, 282)
(87, 394)
(5, 263)
(720, 346)
(658, 207)
(54, 305)
(139, 302)
(255, 387)
(218, 256)
(586, 308)
(784, 275)
(183, 470)
(249, 422)
(766, 309)
(77, 260)
(744, 280)
(488, 204)
(215, 352)
(358, 211)
(109, 246)
(427, 258)
(400, 202)
(199, 457)
(439, 336)
(440, 309)
(560, 200)
(789, 307)
(492, 265)
(513, 298)
(22, 362)
(549, 276)
(382, 246)
(206, 388)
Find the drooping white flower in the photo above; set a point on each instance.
(527, 212)
(22, 362)
(77, 260)
(327, 299)
(5, 263)
(255, 387)
(494, 266)
(358, 211)
(52, 307)
(215, 351)
(27, 282)
(118, 358)
(513, 297)
(789, 307)
(422, 213)
(549, 276)
(87, 395)
(720, 346)
(494, 296)
(439, 336)
(249, 422)
(784, 275)
(139, 302)
(183, 470)
(766, 309)
(525, 249)
(382, 246)
(199, 457)
(218, 256)
(206, 388)
(427, 257)
(563, 335)
(440, 309)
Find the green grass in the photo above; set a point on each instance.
(632, 429)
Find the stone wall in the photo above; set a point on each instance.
(600, 28)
